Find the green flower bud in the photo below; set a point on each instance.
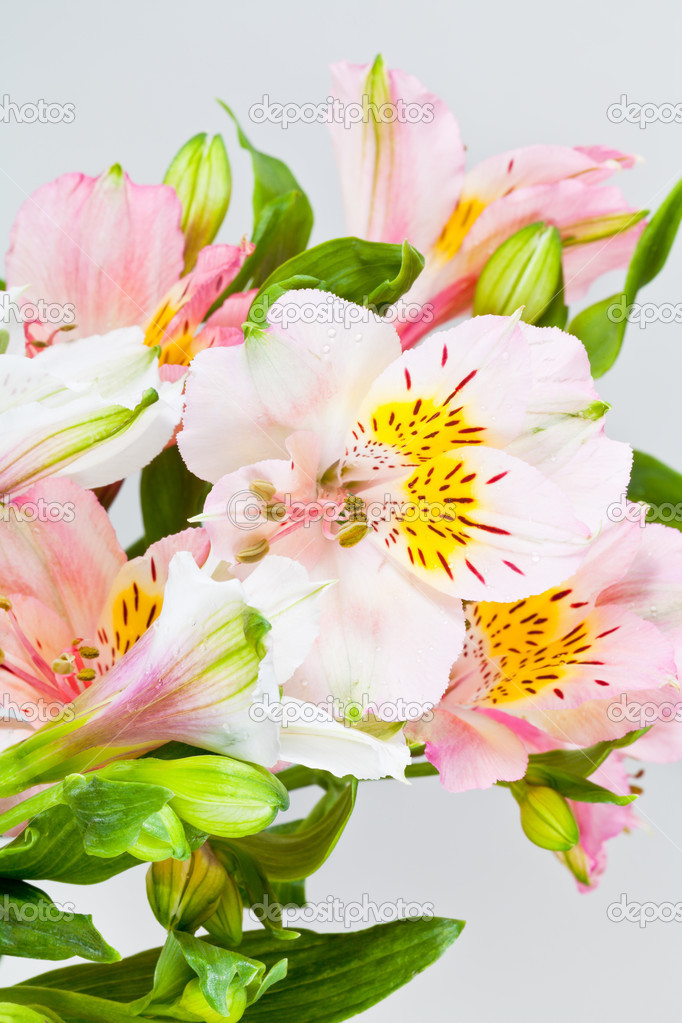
(162, 835)
(524, 271)
(183, 896)
(193, 1000)
(200, 175)
(546, 817)
(226, 923)
(11, 1013)
(218, 795)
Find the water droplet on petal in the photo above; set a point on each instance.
(331, 332)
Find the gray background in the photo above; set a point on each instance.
(143, 77)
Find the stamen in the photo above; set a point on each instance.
(263, 489)
(65, 664)
(351, 533)
(258, 550)
(86, 675)
(276, 512)
(90, 653)
(5, 604)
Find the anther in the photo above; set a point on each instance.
(64, 665)
(88, 652)
(255, 552)
(263, 489)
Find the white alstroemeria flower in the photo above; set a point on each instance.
(473, 467)
(95, 410)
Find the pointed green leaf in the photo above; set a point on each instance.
(601, 327)
(33, 927)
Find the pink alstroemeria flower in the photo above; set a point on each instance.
(109, 254)
(474, 466)
(405, 178)
(566, 662)
(108, 657)
(73, 605)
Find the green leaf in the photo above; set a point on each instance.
(573, 786)
(72, 1008)
(111, 814)
(51, 848)
(330, 977)
(582, 762)
(601, 327)
(13, 1013)
(291, 855)
(372, 274)
(33, 927)
(170, 495)
(191, 974)
(282, 217)
(659, 486)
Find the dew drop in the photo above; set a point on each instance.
(331, 332)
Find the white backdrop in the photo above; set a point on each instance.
(143, 77)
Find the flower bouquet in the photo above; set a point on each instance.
(386, 536)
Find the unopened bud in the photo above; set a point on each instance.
(200, 175)
(193, 1000)
(227, 920)
(162, 836)
(218, 795)
(546, 817)
(524, 271)
(183, 896)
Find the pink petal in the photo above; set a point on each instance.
(470, 750)
(106, 245)
(399, 180)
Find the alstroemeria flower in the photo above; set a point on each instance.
(95, 410)
(560, 661)
(472, 467)
(76, 605)
(404, 178)
(79, 630)
(109, 254)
